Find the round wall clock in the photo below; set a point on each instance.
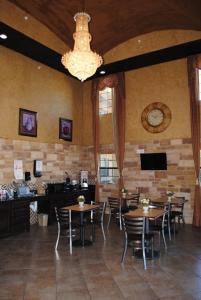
(156, 117)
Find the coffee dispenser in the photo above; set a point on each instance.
(84, 179)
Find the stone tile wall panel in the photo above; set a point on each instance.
(180, 176)
(58, 158)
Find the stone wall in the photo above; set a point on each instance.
(58, 158)
(179, 177)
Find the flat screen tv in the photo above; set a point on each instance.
(153, 161)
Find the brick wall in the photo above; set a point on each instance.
(58, 158)
(179, 177)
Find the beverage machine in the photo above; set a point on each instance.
(84, 181)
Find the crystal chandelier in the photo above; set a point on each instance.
(82, 62)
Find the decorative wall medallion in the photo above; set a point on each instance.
(156, 117)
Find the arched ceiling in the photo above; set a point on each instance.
(114, 21)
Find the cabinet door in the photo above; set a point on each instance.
(20, 216)
(5, 219)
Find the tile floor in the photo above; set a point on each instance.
(31, 270)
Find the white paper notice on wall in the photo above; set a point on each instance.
(39, 166)
(140, 151)
(18, 169)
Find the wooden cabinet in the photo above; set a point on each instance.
(14, 216)
(5, 208)
(20, 216)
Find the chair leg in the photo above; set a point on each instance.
(152, 248)
(144, 254)
(108, 224)
(92, 226)
(183, 220)
(58, 236)
(93, 232)
(70, 234)
(124, 251)
(159, 239)
(120, 221)
(103, 231)
(169, 229)
(174, 228)
(164, 241)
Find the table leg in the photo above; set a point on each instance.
(82, 242)
(70, 232)
(82, 228)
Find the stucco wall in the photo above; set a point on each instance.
(166, 83)
(28, 84)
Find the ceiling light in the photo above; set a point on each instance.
(3, 36)
(102, 72)
(82, 62)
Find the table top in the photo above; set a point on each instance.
(150, 214)
(78, 208)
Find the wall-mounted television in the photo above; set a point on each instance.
(153, 161)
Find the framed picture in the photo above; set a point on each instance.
(27, 122)
(65, 129)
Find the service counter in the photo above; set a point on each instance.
(15, 213)
(47, 203)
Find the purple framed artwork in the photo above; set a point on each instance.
(27, 122)
(65, 129)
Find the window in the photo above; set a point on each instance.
(109, 172)
(199, 85)
(105, 101)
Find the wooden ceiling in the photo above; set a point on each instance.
(114, 21)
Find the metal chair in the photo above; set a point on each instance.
(167, 218)
(114, 205)
(178, 210)
(97, 217)
(177, 213)
(64, 226)
(135, 235)
(159, 225)
(133, 201)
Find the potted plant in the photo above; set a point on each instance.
(145, 204)
(170, 195)
(124, 192)
(81, 200)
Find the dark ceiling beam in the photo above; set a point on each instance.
(25, 45)
(31, 48)
(152, 58)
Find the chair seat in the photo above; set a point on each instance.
(132, 207)
(175, 213)
(138, 237)
(66, 232)
(156, 227)
(124, 210)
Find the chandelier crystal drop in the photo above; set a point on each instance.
(82, 62)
